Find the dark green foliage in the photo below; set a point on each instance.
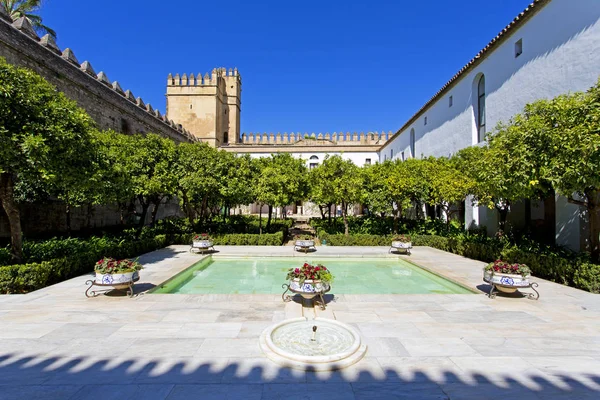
(557, 265)
(24, 278)
(236, 239)
(587, 277)
(36, 275)
(374, 225)
(56, 260)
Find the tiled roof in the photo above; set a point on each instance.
(520, 19)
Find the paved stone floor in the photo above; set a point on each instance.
(57, 344)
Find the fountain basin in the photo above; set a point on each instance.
(289, 344)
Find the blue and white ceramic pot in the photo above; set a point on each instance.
(202, 244)
(119, 281)
(309, 288)
(305, 243)
(507, 283)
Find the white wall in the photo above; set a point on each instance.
(561, 54)
(357, 158)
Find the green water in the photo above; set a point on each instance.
(266, 275)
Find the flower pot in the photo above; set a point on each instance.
(305, 243)
(202, 244)
(309, 288)
(119, 281)
(507, 283)
(401, 247)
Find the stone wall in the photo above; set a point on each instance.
(107, 103)
(320, 139)
(39, 219)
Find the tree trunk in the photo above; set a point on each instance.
(503, 212)
(345, 215)
(68, 215)
(145, 206)
(419, 209)
(260, 219)
(14, 218)
(155, 210)
(593, 201)
(395, 226)
(189, 211)
(90, 215)
(270, 214)
(550, 218)
(322, 211)
(329, 208)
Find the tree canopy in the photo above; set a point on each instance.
(45, 141)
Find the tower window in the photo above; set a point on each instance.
(314, 158)
(402, 156)
(190, 106)
(391, 154)
(226, 137)
(368, 161)
(450, 101)
(425, 120)
(518, 48)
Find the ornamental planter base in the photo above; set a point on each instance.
(401, 247)
(202, 246)
(309, 290)
(110, 282)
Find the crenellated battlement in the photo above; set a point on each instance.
(69, 59)
(314, 139)
(206, 80)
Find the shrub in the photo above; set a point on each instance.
(354, 240)
(5, 256)
(24, 278)
(266, 239)
(587, 277)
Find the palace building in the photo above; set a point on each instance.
(551, 48)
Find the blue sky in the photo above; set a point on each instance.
(306, 66)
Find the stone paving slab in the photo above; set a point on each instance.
(57, 344)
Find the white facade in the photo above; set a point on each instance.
(560, 46)
(359, 158)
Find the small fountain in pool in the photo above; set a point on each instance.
(319, 344)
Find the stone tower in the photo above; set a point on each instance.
(209, 107)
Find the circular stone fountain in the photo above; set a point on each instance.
(317, 345)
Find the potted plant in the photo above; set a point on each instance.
(201, 241)
(118, 273)
(310, 280)
(401, 243)
(507, 277)
(304, 242)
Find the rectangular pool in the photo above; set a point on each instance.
(266, 275)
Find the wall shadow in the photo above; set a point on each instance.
(63, 377)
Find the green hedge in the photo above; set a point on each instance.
(83, 255)
(560, 267)
(236, 239)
